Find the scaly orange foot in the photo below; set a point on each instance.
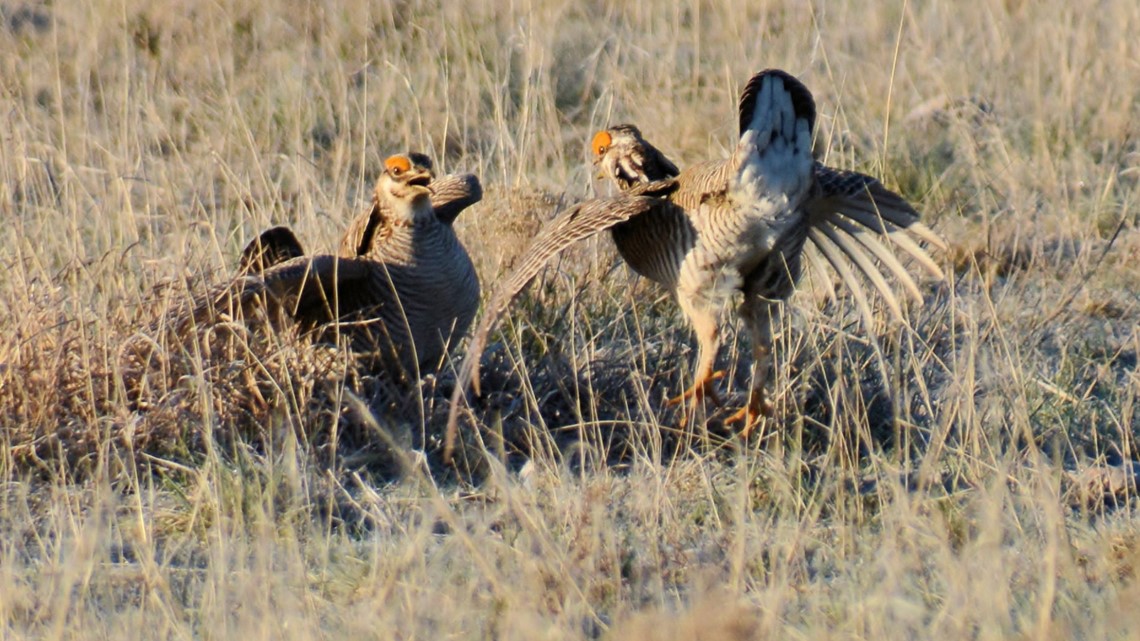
(700, 390)
(758, 405)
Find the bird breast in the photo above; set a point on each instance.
(655, 243)
(436, 283)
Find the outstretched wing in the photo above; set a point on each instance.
(273, 246)
(310, 289)
(450, 195)
(574, 224)
(864, 221)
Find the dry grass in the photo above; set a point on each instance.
(245, 485)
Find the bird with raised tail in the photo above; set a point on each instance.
(748, 217)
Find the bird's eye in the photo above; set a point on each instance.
(397, 165)
(601, 142)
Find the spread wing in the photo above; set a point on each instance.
(310, 289)
(574, 224)
(273, 246)
(855, 216)
(450, 195)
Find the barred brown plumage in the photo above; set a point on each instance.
(367, 234)
(751, 215)
(406, 305)
(450, 195)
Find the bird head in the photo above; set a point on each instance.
(607, 147)
(622, 155)
(404, 184)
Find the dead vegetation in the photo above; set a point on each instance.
(969, 474)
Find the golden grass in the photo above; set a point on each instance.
(242, 485)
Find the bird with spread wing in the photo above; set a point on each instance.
(734, 225)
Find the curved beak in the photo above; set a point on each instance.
(599, 171)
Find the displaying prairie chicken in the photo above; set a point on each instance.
(367, 235)
(407, 305)
(843, 199)
(749, 217)
(450, 195)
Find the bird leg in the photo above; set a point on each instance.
(758, 403)
(708, 342)
(757, 315)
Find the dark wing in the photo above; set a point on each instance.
(854, 215)
(273, 246)
(320, 289)
(574, 224)
(310, 290)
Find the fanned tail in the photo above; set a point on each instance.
(773, 156)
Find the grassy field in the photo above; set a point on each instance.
(965, 475)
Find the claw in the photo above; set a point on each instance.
(758, 405)
(700, 390)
